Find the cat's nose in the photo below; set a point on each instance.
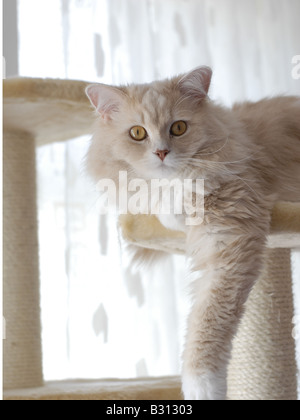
(162, 154)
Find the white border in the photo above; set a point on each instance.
(1, 203)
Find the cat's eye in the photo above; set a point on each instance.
(178, 128)
(138, 133)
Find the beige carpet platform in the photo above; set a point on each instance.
(263, 366)
(164, 388)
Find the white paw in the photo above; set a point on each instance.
(208, 386)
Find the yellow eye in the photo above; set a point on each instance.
(178, 128)
(138, 133)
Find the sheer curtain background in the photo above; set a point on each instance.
(99, 317)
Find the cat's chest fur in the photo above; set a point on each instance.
(173, 221)
(169, 217)
(177, 218)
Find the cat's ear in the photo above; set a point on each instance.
(196, 83)
(106, 99)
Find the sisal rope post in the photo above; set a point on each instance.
(22, 364)
(263, 365)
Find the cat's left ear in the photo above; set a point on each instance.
(196, 83)
(106, 99)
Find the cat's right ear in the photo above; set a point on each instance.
(105, 99)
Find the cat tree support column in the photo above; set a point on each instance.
(263, 365)
(35, 112)
(22, 365)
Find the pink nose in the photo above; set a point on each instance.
(162, 154)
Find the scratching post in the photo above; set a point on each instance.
(263, 365)
(22, 366)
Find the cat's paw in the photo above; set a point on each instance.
(208, 386)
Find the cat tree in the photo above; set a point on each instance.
(263, 365)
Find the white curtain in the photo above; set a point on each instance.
(100, 318)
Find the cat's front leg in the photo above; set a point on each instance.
(208, 386)
(231, 263)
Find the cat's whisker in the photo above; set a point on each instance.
(216, 151)
(199, 160)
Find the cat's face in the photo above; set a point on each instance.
(149, 130)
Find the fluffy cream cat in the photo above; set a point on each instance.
(248, 156)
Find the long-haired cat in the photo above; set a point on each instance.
(248, 156)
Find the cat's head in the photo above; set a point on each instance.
(149, 130)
